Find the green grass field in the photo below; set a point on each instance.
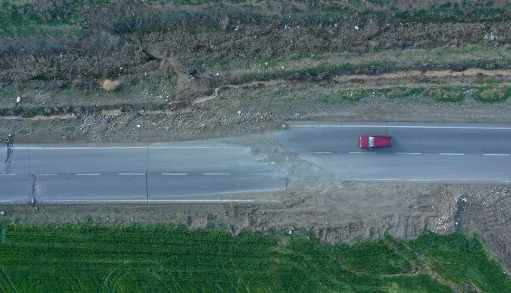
(167, 259)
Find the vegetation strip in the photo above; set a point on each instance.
(84, 258)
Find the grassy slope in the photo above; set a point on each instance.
(163, 259)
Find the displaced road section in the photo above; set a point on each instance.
(155, 173)
(420, 152)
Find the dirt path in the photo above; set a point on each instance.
(406, 75)
(396, 79)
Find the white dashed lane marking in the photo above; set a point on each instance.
(497, 155)
(408, 153)
(217, 174)
(132, 174)
(451, 154)
(87, 174)
(174, 174)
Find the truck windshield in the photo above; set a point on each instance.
(371, 141)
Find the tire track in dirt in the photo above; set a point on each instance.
(239, 86)
(488, 213)
(400, 76)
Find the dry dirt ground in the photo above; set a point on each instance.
(398, 44)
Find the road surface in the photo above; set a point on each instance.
(420, 152)
(206, 172)
(155, 173)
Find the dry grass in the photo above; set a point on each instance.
(110, 85)
(491, 94)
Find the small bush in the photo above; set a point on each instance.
(30, 114)
(396, 93)
(77, 84)
(448, 94)
(491, 94)
(110, 85)
(209, 92)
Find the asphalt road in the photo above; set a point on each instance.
(155, 173)
(174, 173)
(420, 152)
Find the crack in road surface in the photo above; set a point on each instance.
(33, 189)
(8, 158)
(146, 177)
